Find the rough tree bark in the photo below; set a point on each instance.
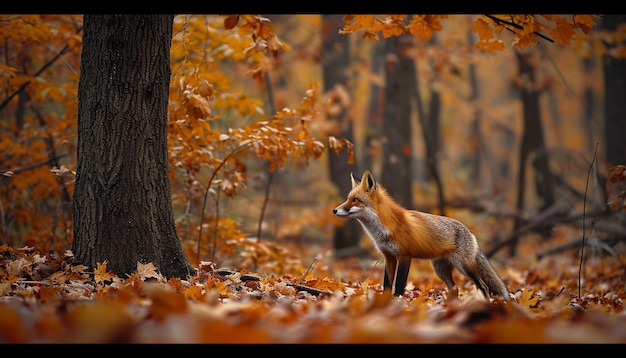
(122, 202)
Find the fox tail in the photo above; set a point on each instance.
(490, 276)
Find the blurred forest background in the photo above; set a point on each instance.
(502, 140)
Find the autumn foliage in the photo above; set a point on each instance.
(221, 133)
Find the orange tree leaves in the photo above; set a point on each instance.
(214, 129)
(39, 78)
(526, 28)
(422, 26)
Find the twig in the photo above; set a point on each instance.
(557, 209)
(32, 166)
(561, 290)
(206, 194)
(520, 27)
(307, 270)
(43, 68)
(603, 243)
(244, 278)
(582, 244)
(270, 100)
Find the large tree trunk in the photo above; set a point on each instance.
(122, 201)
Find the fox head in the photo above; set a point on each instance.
(360, 200)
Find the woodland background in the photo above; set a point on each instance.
(260, 230)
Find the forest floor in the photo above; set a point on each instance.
(557, 299)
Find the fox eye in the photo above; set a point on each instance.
(356, 200)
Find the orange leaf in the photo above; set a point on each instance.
(47, 293)
(563, 32)
(101, 275)
(230, 21)
(482, 29)
(164, 300)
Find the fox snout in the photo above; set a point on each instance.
(341, 212)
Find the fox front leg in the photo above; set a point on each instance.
(402, 274)
(390, 271)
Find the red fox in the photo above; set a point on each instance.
(401, 234)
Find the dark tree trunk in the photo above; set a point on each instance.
(590, 106)
(429, 121)
(122, 201)
(375, 111)
(399, 90)
(532, 143)
(475, 135)
(432, 140)
(614, 103)
(335, 66)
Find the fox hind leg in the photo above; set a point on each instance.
(443, 269)
(471, 272)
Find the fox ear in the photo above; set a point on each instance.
(368, 181)
(355, 181)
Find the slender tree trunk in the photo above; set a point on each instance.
(475, 135)
(429, 120)
(432, 140)
(614, 103)
(533, 143)
(122, 201)
(335, 66)
(375, 111)
(399, 90)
